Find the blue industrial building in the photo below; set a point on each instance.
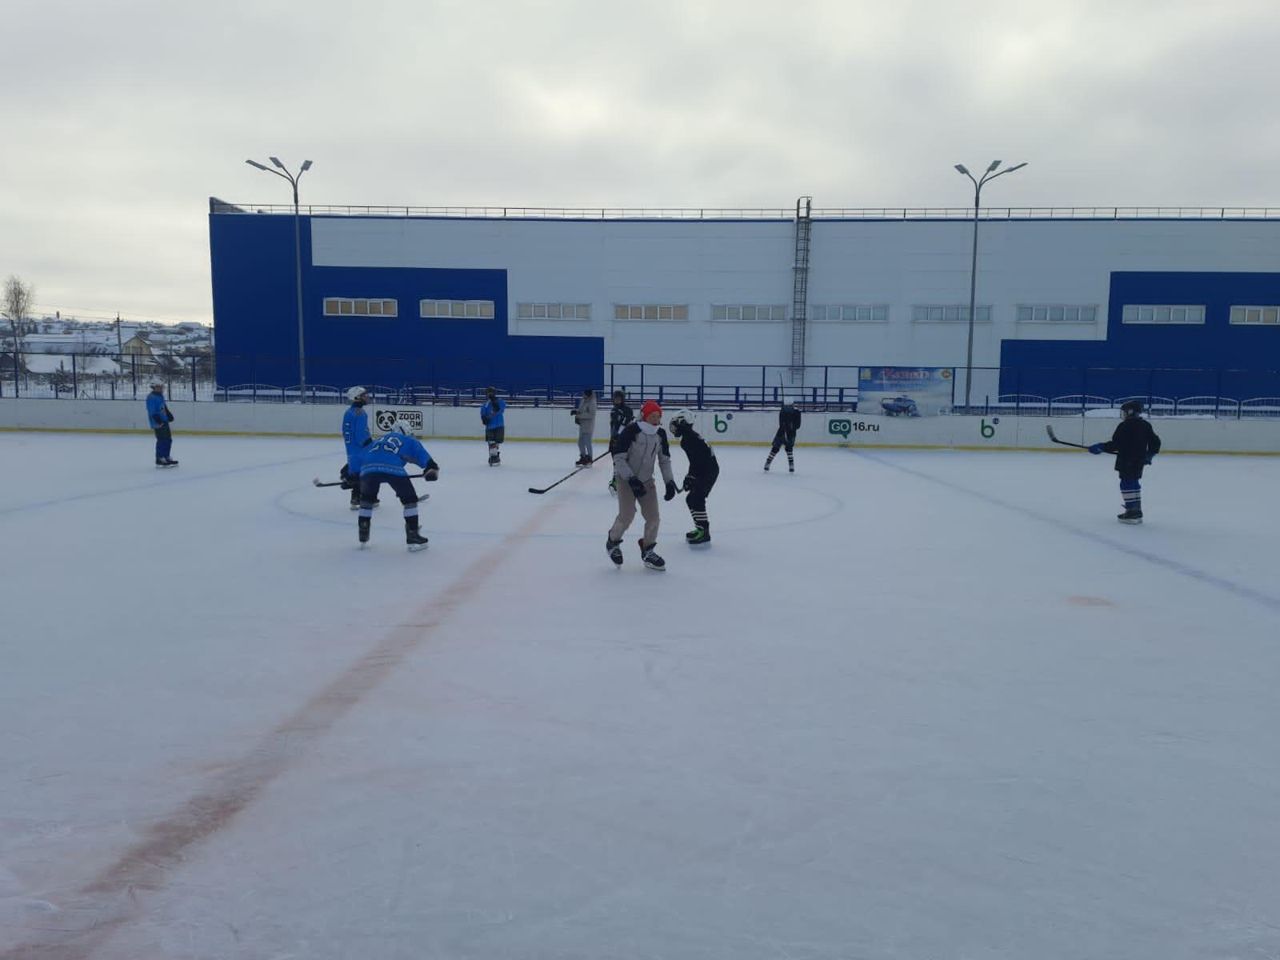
(1101, 303)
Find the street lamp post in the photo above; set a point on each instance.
(990, 174)
(283, 172)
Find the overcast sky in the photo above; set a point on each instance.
(122, 118)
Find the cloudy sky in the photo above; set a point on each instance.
(122, 117)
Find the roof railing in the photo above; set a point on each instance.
(756, 213)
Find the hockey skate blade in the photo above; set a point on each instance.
(416, 547)
(1131, 522)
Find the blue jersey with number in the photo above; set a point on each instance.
(491, 413)
(355, 434)
(389, 454)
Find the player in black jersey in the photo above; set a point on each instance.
(788, 425)
(703, 471)
(619, 416)
(1135, 444)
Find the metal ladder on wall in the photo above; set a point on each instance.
(800, 290)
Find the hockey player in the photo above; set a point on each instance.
(491, 415)
(584, 415)
(355, 436)
(703, 471)
(639, 445)
(619, 417)
(159, 418)
(1135, 444)
(384, 462)
(788, 425)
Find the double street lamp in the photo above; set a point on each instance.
(283, 172)
(978, 183)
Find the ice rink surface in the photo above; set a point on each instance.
(907, 705)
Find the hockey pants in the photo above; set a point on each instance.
(164, 441)
(783, 438)
(627, 511)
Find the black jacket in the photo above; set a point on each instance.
(1133, 443)
(789, 419)
(619, 417)
(703, 468)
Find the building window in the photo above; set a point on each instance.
(1252, 315)
(850, 313)
(949, 313)
(1057, 313)
(1162, 313)
(553, 311)
(363, 307)
(455, 309)
(651, 311)
(749, 312)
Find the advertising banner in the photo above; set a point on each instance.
(385, 418)
(905, 391)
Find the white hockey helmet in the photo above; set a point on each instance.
(355, 393)
(401, 426)
(680, 420)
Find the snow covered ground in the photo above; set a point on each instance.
(907, 705)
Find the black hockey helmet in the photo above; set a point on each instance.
(1131, 408)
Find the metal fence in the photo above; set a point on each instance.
(829, 387)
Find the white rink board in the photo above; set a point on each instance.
(723, 426)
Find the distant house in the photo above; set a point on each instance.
(137, 346)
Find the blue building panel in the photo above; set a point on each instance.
(1215, 358)
(256, 321)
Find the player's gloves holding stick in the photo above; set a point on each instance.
(671, 491)
(637, 487)
(1095, 448)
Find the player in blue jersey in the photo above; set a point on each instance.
(159, 418)
(356, 436)
(384, 461)
(494, 424)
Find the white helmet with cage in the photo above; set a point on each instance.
(680, 421)
(357, 393)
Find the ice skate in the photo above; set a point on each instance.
(650, 557)
(412, 537)
(614, 549)
(364, 524)
(697, 536)
(1130, 516)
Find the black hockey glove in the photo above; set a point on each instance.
(485, 418)
(687, 483)
(637, 487)
(431, 472)
(168, 415)
(671, 490)
(1149, 458)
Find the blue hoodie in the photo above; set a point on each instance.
(157, 412)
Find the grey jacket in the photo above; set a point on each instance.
(636, 451)
(584, 415)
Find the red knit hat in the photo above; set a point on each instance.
(648, 407)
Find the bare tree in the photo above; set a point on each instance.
(14, 307)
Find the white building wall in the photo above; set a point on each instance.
(898, 263)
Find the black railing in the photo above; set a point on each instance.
(1075, 392)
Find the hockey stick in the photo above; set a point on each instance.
(1065, 443)
(337, 483)
(576, 470)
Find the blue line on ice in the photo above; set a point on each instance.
(1177, 566)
